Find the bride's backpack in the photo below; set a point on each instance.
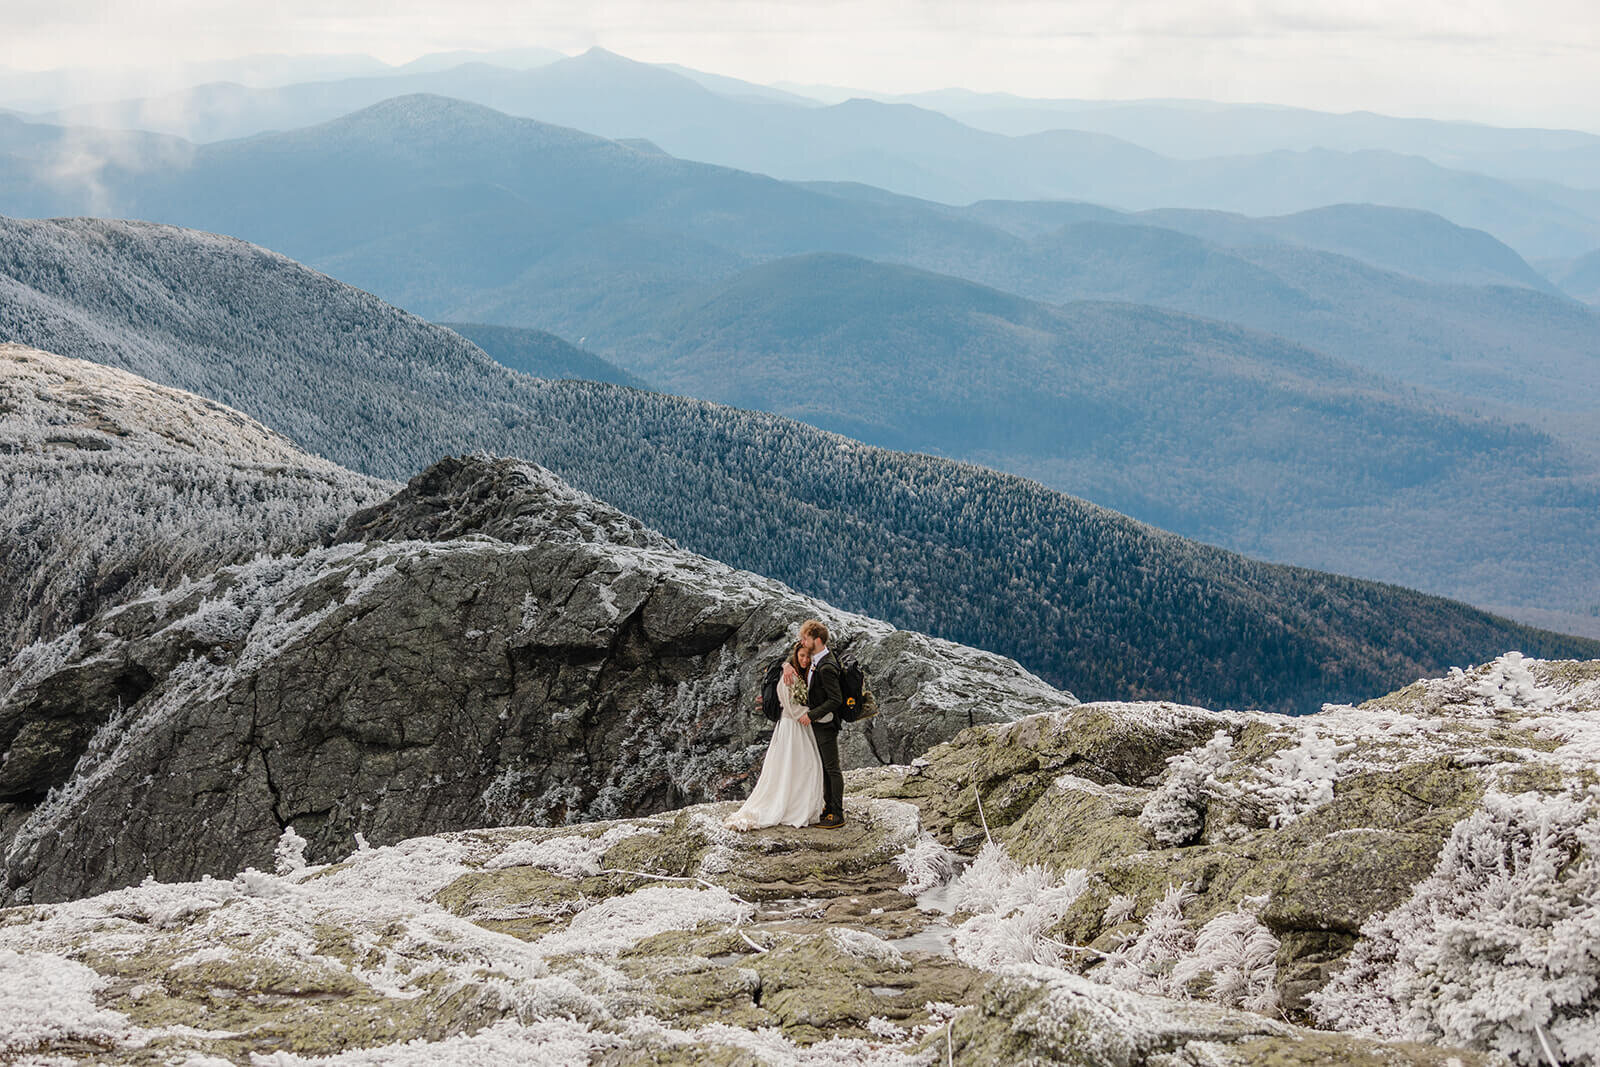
(769, 692)
(859, 703)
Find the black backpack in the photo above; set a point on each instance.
(769, 692)
(859, 703)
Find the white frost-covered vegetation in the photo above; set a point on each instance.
(1012, 906)
(1298, 778)
(926, 864)
(569, 855)
(110, 484)
(1015, 907)
(1497, 951)
(1499, 948)
(1176, 812)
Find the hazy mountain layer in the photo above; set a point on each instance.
(1198, 129)
(1254, 441)
(462, 214)
(1419, 243)
(906, 148)
(1090, 600)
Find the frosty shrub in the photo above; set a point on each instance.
(1237, 958)
(1499, 944)
(1176, 813)
(1147, 962)
(926, 865)
(290, 852)
(1119, 909)
(1301, 778)
(1508, 683)
(1013, 907)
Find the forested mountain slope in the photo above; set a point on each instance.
(1203, 428)
(1087, 598)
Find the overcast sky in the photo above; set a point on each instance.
(1522, 62)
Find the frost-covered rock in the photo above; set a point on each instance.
(806, 953)
(1415, 868)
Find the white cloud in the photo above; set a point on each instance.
(1524, 61)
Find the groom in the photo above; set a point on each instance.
(824, 703)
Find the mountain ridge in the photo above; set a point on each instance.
(1093, 602)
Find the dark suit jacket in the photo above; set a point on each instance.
(825, 694)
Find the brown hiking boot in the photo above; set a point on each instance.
(830, 821)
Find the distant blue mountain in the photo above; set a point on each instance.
(1197, 129)
(910, 149)
(459, 212)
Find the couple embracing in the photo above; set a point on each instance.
(801, 783)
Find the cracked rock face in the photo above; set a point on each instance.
(488, 647)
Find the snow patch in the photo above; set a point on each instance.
(621, 922)
(46, 999)
(576, 856)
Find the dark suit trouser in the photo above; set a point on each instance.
(827, 736)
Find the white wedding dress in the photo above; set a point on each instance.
(789, 791)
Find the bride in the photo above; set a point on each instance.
(789, 792)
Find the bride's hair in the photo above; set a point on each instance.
(794, 657)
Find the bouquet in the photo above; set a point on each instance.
(798, 691)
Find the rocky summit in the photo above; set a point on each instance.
(1411, 881)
